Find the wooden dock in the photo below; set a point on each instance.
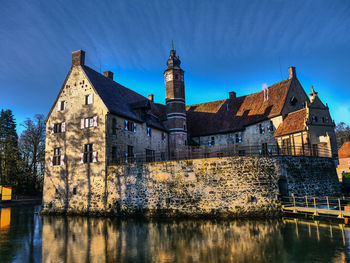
(320, 208)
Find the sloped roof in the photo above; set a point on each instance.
(294, 122)
(344, 150)
(230, 115)
(123, 101)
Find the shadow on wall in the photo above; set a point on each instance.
(74, 179)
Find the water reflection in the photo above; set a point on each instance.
(80, 239)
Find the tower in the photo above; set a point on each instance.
(175, 104)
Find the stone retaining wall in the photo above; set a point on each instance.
(225, 187)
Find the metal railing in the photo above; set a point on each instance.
(198, 152)
(315, 203)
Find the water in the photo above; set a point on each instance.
(25, 236)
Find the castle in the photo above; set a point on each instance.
(96, 122)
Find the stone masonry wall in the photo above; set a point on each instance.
(235, 186)
(230, 186)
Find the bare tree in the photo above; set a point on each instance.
(32, 147)
(342, 132)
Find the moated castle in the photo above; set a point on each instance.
(96, 124)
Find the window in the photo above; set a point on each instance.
(163, 136)
(130, 150)
(270, 127)
(185, 127)
(114, 153)
(212, 141)
(325, 119)
(263, 150)
(88, 150)
(162, 156)
(114, 126)
(88, 99)
(149, 132)
(88, 122)
(61, 105)
(130, 157)
(241, 152)
(261, 129)
(220, 154)
(314, 118)
(129, 126)
(74, 191)
(57, 128)
(238, 138)
(293, 101)
(150, 156)
(57, 156)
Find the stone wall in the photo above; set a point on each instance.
(226, 187)
(234, 186)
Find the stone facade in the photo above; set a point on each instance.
(231, 186)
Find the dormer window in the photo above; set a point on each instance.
(88, 99)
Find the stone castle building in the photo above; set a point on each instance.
(96, 122)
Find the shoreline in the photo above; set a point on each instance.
(20, 202)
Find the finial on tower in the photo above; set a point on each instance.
(172, 44)
(173, 60)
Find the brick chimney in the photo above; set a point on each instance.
(232, 95)
(78, 58)
(108, 74)
(292, 72)
(151, 97)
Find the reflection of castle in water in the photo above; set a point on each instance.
(79, 239)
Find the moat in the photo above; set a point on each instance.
(25, 236)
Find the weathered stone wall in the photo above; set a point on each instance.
(230, 186)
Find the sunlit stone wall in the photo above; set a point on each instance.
(231, 186)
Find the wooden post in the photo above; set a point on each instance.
(294, 203)
(327, 202)
(341, 214)
(307, 204)
(315, 206)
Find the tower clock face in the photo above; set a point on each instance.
(168, 77)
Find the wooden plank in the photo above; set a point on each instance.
(313, 210)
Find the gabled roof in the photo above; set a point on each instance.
(231, 115)
(344, 150)
(294, 122)
(123, 101)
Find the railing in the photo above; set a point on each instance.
(335, 205)
(200, 152)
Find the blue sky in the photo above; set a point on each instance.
(223, 45)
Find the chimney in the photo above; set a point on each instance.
(151, 97)
(232, 95)
(108, 74)
(78, 58)
(292, 72)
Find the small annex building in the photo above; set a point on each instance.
(343, 168)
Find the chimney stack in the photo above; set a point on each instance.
(78, 58)
(232, 95)
(151, 97)
(108, 74)
(292, 72)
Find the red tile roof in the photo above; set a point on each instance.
(344, 150)
(230, 115)
(294, 122)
